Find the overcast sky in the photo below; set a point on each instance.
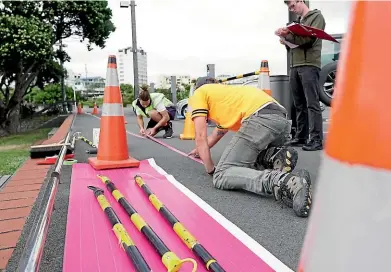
(182, 36)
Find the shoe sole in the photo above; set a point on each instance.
(286, 160)
(307, 187)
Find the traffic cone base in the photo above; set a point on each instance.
(102, 164)
(188, 129)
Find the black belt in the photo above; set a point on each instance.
(273, 108)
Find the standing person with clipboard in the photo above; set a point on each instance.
(305, 67)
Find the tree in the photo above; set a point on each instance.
(29, 31)
(50, 94)
(51, 73)
(127, 92)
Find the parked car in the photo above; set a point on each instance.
(182, 107)
(330, 57)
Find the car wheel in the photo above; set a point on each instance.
(327, 79)
(184, 110)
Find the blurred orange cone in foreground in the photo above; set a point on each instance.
(350, 223)
(113, 146)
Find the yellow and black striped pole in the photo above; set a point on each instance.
(239, 76)
(126, 242)
(170, 260)
(93, 151)
(84, 139)
(187, 238)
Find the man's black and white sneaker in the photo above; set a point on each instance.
(280, 158)
(169, 131)
(294, 189)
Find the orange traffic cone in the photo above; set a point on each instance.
(113, 146)
(79, 109)
(188, 129)
(95, 110)
(264, 78)
(349, 227)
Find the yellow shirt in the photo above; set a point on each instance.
(227, 105)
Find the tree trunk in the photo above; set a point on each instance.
(10, 118)
(10, 112)
(14, 120)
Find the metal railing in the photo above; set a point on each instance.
(33, 250)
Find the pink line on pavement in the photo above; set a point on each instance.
(174, 149)
(167, 146)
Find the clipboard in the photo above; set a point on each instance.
(307, 31)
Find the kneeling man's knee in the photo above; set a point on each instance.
(217, 179)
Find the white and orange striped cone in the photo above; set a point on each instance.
(95, 110)
(79, 109)
(264, 78)
(350, 223)
(113, 146)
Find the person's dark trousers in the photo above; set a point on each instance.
(168, 128)
(304, 84)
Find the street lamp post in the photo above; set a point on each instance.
(125, 4)
(64, 97)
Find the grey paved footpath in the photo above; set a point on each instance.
(272, 225)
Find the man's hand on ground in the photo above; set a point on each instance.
(194, 153)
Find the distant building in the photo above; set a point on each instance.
(87, 86)
(93, 86)
(164, 81)
(72, 78)
(125, 66)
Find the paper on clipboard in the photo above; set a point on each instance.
(289, 44)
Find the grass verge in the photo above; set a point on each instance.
(14, 149)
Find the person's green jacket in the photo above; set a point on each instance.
(309, 50)
(157, 101)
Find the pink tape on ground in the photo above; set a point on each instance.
(91, 245)
(174, 149)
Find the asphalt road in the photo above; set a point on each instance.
(271, 224)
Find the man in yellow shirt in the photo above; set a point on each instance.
(255, 159)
